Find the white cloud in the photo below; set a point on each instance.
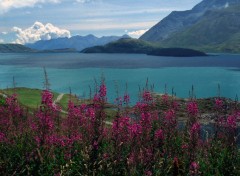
(28, 12)
(110, 26)
(6, 5)
(226, 5)
(138, 33)
(39, 31)
(82, 1)
(1, 41)
(4, 33)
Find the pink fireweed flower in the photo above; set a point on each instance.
(13, 105)
(148, 173)
(175, 105)
(95, 145)
(33, 126)
(124, 122)
(56, 107)
(192, 108)
(70, 105)
(231, 121)
(218, 103)
(76, 137)
(120, 125)
(47, 97)
(105, 156)
(11, 99)
(96, 98)
(43, 127)
(184, 146)
(147, 96)
(131, 159)
(175, 159)
(103, 91)
(52, 140)
(126, 98)
(2, 137)
(159, 134)
(170, 117)
(176, 162)
(83, 107)
(165, 98)
(37, 140)
(58, 174)
(91, 113)
(145, 120)
(67, 156)
(74, 110)
(194, 168)
(195, 129)
(120, 129)
(142, 107)
(46, 120)
(135, 129)
(145, 116)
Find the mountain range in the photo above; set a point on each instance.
(76, 42)
(211, 26)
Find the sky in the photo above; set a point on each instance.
(27, 21)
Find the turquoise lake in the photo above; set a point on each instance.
(78, 71)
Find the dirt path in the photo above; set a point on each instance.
(4, 95)
(58, 99)
(108, 123)
(60, 96)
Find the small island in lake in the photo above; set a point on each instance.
(142, 47)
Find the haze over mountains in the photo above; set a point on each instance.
(212, 25)
(76, 42)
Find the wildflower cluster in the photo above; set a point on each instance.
(143, 140)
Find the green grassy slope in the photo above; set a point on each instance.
(30, 98)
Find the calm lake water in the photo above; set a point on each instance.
(78, 71)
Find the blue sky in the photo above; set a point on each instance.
(65, 18)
